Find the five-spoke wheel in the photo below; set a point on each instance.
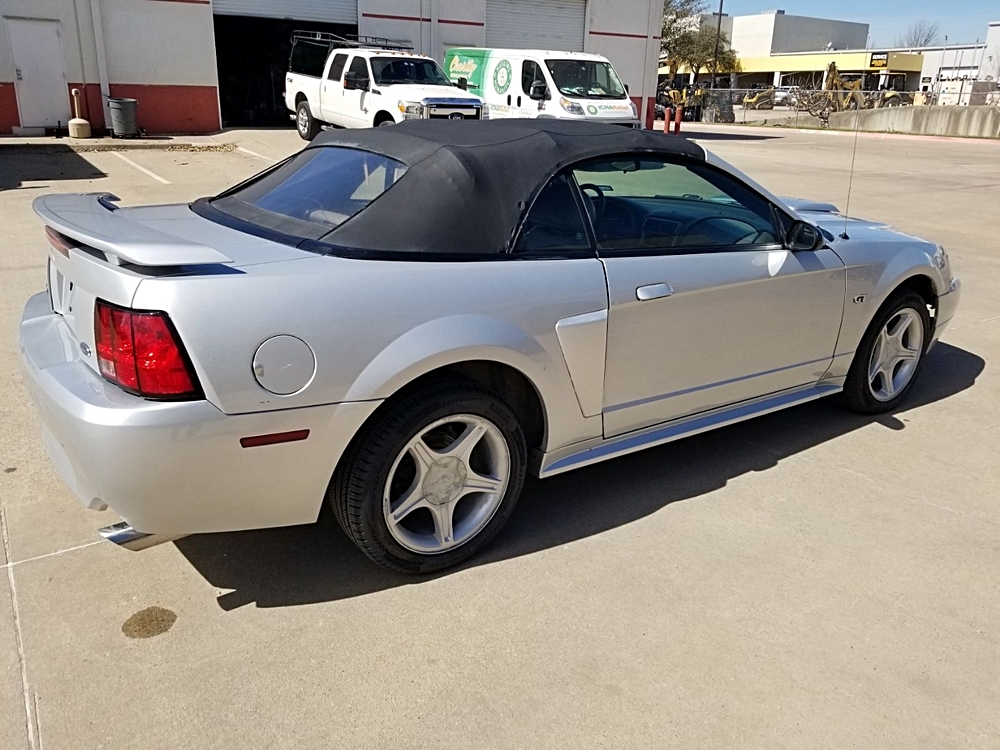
(890, 354)
(432, 478)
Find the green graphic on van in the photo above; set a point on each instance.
(591, 109)
(467, 68)
(501, 77)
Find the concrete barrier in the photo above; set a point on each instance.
(975, 122)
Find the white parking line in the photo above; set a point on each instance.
(50, 554)
(259, 156)
(141, 168)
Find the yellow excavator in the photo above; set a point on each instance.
(839, 95)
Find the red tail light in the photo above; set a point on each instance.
(140, 352)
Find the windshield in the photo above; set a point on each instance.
(586, 79)
(313, 192)
(389, 70)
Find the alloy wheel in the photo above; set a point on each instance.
(446, 484)
(896, 354)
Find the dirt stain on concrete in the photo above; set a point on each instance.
(149, 622)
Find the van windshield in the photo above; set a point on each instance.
(586, 79)
(389, 70)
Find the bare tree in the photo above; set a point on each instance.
(922, 33)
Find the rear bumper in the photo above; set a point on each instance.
(175, 467)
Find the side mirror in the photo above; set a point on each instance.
(463, 83)
(539, 91)
(350, 81)
(804, 237)
(626, 89)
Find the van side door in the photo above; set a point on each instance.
(531, 72)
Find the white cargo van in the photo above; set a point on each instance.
(540, 83)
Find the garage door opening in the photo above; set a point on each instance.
(252, 57)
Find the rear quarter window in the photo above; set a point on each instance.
(314, 192)
(308, 58)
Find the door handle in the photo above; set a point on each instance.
(17, 73)
(653, 291)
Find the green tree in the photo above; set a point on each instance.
(680, 17)
(696, 50)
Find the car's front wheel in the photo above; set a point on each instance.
(889, 357)
(433, 479)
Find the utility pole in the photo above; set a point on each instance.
(718, 40)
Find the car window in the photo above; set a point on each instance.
(554, 222)
(389, 70)
(360, 66)
(337, 67)
(315, 191)
(530, 72)
(652, 204)
(308, 57)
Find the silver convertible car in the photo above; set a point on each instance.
(403, 322)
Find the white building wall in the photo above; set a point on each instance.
(753, 35)
(775, 32)
(991, 59)
(161, 52)
(802, 34)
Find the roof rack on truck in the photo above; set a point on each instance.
(351, 40)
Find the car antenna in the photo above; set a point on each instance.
(854, 156)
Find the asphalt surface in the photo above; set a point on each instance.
(809, 579)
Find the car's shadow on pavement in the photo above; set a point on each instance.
(309, 564)
(38, 164)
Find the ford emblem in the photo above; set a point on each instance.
(456, 116)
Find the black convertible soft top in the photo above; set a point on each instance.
(468, 183)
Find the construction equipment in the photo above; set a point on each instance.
(763, 99)
(839, 95)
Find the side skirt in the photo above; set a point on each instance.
(594, 451)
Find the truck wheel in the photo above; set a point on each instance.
(307, 126)
(890, 354)
(433, 479)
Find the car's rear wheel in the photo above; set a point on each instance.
(433, 479)
(889, 357)
(305, 123)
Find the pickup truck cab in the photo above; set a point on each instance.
(367, 82)
(544, 83)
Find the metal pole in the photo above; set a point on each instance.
(718, 40)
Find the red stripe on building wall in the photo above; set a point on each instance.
(420, 19)
(173, 109)
(9, 119)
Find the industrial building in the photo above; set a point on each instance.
(777, 49)
(198, 65)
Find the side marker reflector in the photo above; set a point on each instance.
(255, 441)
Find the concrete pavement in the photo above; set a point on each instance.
(809, 579)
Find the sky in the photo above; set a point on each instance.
(963, 21)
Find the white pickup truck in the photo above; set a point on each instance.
(367, 82)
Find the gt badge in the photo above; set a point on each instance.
(860, 298)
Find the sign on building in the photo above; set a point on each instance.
(879, 60)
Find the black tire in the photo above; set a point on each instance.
(857, 395)
(356, 491)
(307, 126)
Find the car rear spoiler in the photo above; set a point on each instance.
(94, 220)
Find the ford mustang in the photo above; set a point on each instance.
(403, 322)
